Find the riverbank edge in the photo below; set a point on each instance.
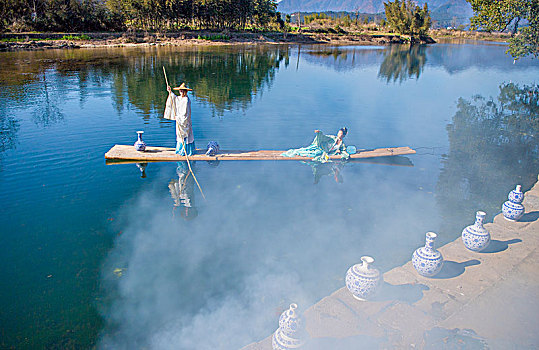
(469, 306)
(40, 41)
(59, 40)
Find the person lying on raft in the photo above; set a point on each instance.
(322, 147)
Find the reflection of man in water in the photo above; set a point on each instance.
(182, 191)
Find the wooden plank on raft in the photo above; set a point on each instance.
(127, 153)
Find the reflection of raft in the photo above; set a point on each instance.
(125, 153)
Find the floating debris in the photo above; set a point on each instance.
(119, 271)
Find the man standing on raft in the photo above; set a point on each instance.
(179, 108)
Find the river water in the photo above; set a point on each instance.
(96, 255)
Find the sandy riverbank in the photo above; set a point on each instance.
(38, 41)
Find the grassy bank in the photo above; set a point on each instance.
(18, 41)
(370, 34)
(469, 35)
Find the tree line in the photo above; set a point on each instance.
(405, 17)
(118, 15)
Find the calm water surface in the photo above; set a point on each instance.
(96, 255)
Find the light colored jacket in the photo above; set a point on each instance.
(179, 109)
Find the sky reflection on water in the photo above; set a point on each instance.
(269, 233)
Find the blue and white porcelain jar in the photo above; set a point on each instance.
(513, 209)
(362, 280)
(291, 333)
(281, 341)
(140, 145)
(476, 237)
(290, 322)
(427, 260)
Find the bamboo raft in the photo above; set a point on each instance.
(128, 154)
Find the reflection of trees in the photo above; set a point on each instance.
(493, 145)
(403, 62)
(335, 53)
(9, 127)
(226, 78)
(27, 82)
(48, 101)
(230, 80)
(8, 131)
(18, 77)
(344, 59)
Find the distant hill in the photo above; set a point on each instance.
(366, 6)
(452, 13)
(446, 12)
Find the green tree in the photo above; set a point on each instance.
(502, 15)
(87, 15)
(407, 18)
(498, 15)
(346, 21)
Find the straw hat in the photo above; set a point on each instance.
(182, 87)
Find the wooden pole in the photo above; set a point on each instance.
(165, 72)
